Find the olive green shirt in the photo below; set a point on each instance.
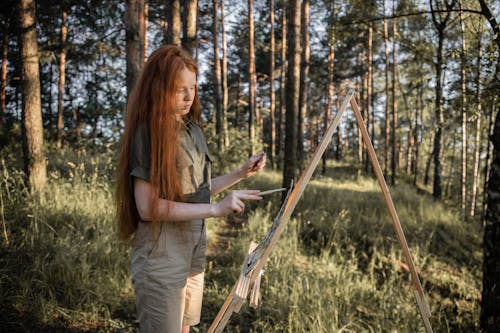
(193, 161)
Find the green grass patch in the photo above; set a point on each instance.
(337, 267)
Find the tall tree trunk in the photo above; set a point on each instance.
(304, 82)
(34, 157)
(452, 167)
(62, 78)
(237, 110)
(490, 316)
(134, 25)
(440, 25)
(330, 94)
(3, 76)
(292, 92)
(371, 124)
(272, 94)
(477, 143)
(387, 114)
(394, 110)
(416, 132)
(217, 79)
(145, 29)
(189, 25)
(464, 115)
(283, 70)
(225, 90)
(338, 136)
(174, 22)
(252, 78)
(487, 159)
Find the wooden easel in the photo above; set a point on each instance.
(251, 279)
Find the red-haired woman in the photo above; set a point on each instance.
(164, 188)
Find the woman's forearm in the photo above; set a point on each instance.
(168, 210)
(221, 183)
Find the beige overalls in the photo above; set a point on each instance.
(168, 272)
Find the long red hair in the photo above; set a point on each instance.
(152, 101)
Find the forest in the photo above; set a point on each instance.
(271, 77)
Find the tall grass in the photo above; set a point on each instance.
(61, 262)
(337, 267)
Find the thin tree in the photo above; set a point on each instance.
(252, 80)
(304, 81)
(62, 76)
(292, 92)
(387, 114)
(174, 22)
(134, 36)
(145, 29)
(3, 75)
(440, 23)
(217, 78)
(477, 141)
(225, 89)
(34, 156)
(189, 25)
(330, 94)
(487, 159)
(283, 70)
(272, 94)
(394, 119)
(463, 79)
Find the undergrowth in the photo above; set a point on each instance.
(338, 266)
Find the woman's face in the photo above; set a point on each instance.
(185, 91)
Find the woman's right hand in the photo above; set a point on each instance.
(233, 203)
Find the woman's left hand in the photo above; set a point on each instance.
(253, 165)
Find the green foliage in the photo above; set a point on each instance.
(61, 261)
(337, 266)
(234, 155)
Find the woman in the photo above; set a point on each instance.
(163, 192)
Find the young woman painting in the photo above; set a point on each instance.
(164, 188)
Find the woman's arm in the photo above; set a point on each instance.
(180, 211)
(248, 169)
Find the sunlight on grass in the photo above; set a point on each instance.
(337, 267)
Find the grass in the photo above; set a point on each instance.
(337, 267)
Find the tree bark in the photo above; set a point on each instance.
(272, 94)
(330, 94)
(189, 25)
(292, 92)
(387, 114)
(217, 79)
(174, 22)
(145, 29)
(490, 316)
(225, 90)
(477, 143)
(440, 25)
(304, 82)
(283, 70)
(62, 79)
(134, 34)
(463, 79)
(3, 76)
(34, 157)
(394, 105)
(252, 77)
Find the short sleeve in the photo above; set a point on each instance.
(140, 153)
